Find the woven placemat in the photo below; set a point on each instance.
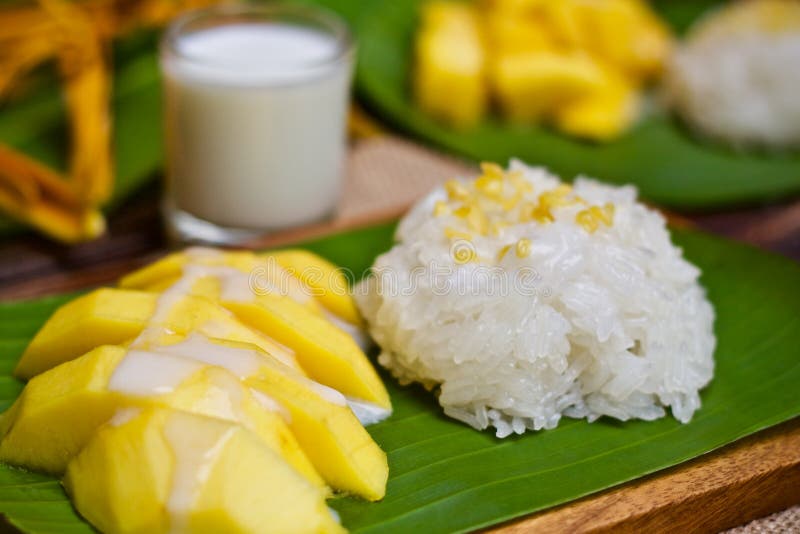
(787, 521)
(386, 175)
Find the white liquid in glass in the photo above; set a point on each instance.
(255, 123)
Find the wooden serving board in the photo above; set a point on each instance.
(751, 478)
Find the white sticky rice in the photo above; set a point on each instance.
(736, 76)
(611, 323)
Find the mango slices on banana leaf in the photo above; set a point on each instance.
(266, 370)
(576, 65)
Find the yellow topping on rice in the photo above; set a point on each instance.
(523, 248)
(592, 217)
(503, 251)
(452, 233)
(498, 199)
(492, 170)
(456, 190)
(441, 208)
(496, 227)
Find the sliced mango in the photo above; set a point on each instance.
(324, 352)
(325, 281)
(305, 277)
(541, 60)
(163, 272)
(510, 33)
(331, 436)
(628, 35)
(602, 115)
(115, 316)
(82, 324)
(217, 393)
(530, 86)
(60, 409)
(338, 446)
(450, 64)
(162, 471)
(261, 276)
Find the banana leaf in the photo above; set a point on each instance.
(668, 164)
(447, 477)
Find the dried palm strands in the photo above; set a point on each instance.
(65, 208)
(36, 195)
(28, 32)
(86, 89)
(75, 35)
(17, 61)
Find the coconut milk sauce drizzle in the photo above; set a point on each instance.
(234, 285)
(241, 361)
(146, 374)
(266, 276)
(194, 459)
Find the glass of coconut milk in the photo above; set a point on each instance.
(255, 112)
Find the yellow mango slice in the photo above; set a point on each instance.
(565, 23)
(450, 64)
(216, 392)
(602, 115)
(81, 325)
(513, 7)
(625, 34)
(140, 474)
(324, 352)
(42, 432)
(115, 316)
(530, 86)
(164, 271)
(628, 34)
(126, 463)
(325, 281)
(305, 277)
(60, 409)
(508, 33)
(331, 436)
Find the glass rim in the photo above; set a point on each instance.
(327, 19)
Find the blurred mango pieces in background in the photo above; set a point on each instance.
(450, 81)
(579, 65)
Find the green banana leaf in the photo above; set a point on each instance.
(446, 477)
(659, 155)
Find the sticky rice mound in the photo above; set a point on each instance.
(735, 77)
(520, 300)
